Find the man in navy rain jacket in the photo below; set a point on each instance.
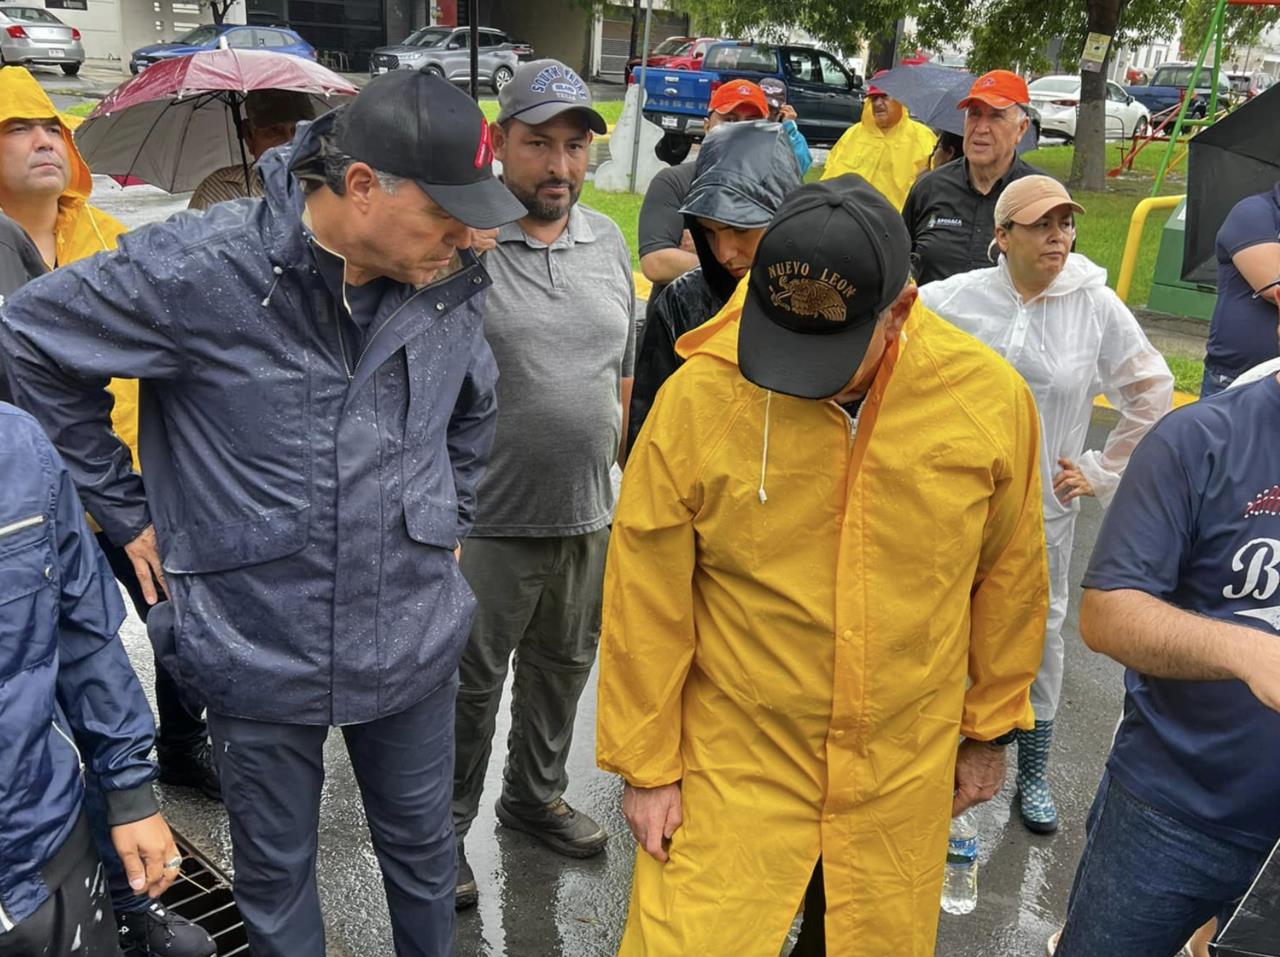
(69, 700)
(317, 404)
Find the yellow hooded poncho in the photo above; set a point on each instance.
(890, 160)
(794, 610)
(80, 231)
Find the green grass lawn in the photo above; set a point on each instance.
(1188, 372)
(82, 109)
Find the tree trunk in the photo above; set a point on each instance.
(636, 14)
(881, 51)
(1089, 162)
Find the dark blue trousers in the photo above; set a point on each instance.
(272, 775)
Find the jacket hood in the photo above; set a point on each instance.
(744, 171)
(22, 98)
(1079, 273)
(872, 128)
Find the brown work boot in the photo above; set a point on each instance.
(556, 825)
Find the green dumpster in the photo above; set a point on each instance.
(1168, 291)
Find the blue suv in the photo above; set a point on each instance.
(239, 37)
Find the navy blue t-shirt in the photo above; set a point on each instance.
(1243, 330)
(1196, 523)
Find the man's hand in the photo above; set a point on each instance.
(482, 240)
(1070, 484)
(1261, 668)
(786, 112)
(145, 847)
(979, 774)
(144, 554)
(686, 242)
(654, 816)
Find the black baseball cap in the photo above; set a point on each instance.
(420, 126)
(836, 255)
(543, 89)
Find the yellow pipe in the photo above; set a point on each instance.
(1136, 222)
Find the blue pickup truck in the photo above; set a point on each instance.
(1169, 85)
(827, 98)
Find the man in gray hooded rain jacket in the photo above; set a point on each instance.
(744, 171)
(317, 404)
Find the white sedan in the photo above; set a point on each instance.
(1058, 97)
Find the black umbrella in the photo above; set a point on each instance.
(1254, 929)
(1236, 157)
(931, 93)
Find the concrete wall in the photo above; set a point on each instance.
(405, 16)
(555, 28)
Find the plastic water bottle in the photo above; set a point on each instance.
(960, 885)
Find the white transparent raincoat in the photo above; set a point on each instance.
(1076, 341)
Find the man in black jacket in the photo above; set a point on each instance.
(743, 173)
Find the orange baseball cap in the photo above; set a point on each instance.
(999, 88)
(738, 93)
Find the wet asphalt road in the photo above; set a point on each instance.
(536, 904)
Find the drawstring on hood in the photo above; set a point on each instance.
(266, 301)
(764, 451)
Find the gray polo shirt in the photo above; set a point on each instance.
(560, 320)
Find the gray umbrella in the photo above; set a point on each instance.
(931, 93)
(1236, 157)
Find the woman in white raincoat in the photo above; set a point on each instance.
(1049, 312)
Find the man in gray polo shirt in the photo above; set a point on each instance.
(559, 320)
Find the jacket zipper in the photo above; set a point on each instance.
(67, 738)
(14, 527)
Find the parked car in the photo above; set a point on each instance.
(661, 54)
(1169, 85)
(34, 36)
(238, 36)
(1057, 99)
(689, 57)
(827, 97)
(1248, 85)
(446, 51)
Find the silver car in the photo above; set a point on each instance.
(446, 51)
(33, 35)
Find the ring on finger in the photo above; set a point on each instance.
(174, 863)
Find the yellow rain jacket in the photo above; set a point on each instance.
(890, 160)
(794, 609)
(80, 231)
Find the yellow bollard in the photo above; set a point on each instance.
(1136, 222)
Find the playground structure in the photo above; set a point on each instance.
(1179, 117)
(1175, 127)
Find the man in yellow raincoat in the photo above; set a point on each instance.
(886, 147)
(827, 566)
(44, 188)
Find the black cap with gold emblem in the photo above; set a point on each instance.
(836, 255)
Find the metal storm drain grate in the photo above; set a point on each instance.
(202, 894)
